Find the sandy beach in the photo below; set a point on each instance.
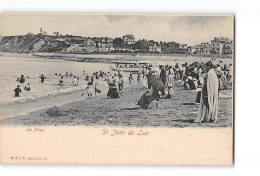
(180, 111)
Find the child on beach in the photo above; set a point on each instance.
(27, 87)
(131, 78)
(17, 91)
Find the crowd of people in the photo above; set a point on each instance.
(63, 78)
(206, 78)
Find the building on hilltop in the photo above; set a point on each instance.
(110, 40)
(196, 49)
(129, 39)
(105, 48)
(205, 48)
(228, 47)
(219, 45)
(155, 48)
(89, 42)
(183, 46)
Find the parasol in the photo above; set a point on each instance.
(156, 82)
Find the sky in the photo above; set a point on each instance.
(184, 29)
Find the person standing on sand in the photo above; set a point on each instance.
(138, 77)
(170, 84)
(145, 82)
(17, 91)
(163, 75)
(130, 78)
(121, 84)
(91, 89)
(208, 110)
(97, 90)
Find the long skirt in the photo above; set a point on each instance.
(208, 110)
(171, 91)
(198, 97)
(145, 83)
(91, 91)
(146, 100)
(153, 105)
(120, 87)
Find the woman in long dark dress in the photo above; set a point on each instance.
(148, 97)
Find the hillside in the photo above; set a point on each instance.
(77, 44)
(31, 43)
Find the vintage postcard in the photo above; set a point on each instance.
(120, 89)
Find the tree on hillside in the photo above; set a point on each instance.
(169, 47)
(118, 42)
(143, 45)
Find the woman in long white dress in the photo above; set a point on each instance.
(91, 89)
(170, 83)
(145, 82)
(208, 110)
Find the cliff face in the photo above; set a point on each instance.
(30, 43)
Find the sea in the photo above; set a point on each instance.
(12, 68)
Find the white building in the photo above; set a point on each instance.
(155, 49)
(129, 39)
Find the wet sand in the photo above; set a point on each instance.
(180, 111)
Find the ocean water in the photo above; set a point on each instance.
(12, 67)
